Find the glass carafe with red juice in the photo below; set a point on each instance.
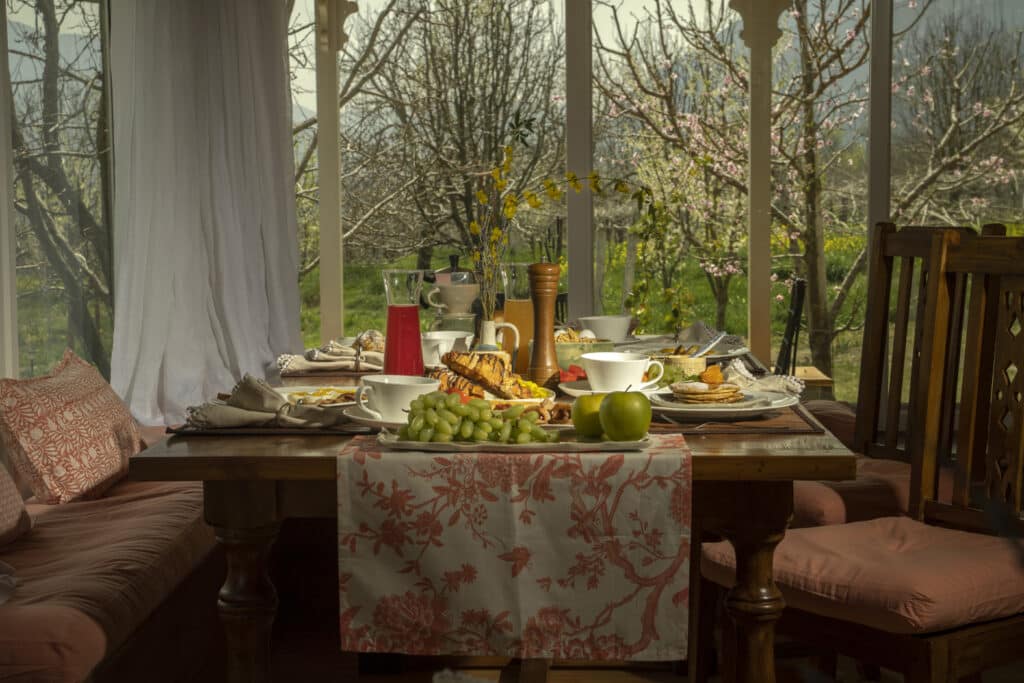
(403, 353)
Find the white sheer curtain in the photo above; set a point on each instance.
(206, 255)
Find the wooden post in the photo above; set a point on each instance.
(760, 33)
(579, 145)
(330, 15)
(8, 246)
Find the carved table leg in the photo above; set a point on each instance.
(247, 602)
(754, 521)
(244, 517)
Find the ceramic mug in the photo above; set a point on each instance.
(455, 299)
(611, 327)
(387, 397)
(615, 371)
(436, 343)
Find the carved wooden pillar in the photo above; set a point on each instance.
(760, 33)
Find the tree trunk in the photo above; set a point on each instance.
(818, 314)
(721, 303)
(629, 270)
(424, 258)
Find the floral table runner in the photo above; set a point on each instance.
(556, 555)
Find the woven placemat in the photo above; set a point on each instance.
(340, 430)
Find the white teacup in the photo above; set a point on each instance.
(436, 343)
(611, 327)
(387, 397)
(455, 299)
(615, 371)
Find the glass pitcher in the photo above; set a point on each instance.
(519, 312)
(403, 353)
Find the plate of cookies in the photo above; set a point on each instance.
(708, 396)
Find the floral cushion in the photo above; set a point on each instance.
(14, 519)
(67, 433)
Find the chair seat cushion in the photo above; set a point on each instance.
(894, 574)
(837, 417)
(881, 489)
(92, 571)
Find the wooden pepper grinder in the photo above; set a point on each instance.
(543, 290)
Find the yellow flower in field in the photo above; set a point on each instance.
(506, 164)
(621, 186)
(496, 173)
(594, 180)
(574, 181)
(495, 235)
(552, 190)
(474, 228)
(500, 184)
(481, 196)
(511, 206)
(475, 256)
(532, 199)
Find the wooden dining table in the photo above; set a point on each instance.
(742, 488)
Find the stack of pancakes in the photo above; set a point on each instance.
(702, 392)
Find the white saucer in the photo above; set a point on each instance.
(582, 388)
(356, 414)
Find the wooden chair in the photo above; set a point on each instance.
(889, 379)
(785, 363)
(939, 595)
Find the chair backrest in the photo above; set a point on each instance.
(786, 361)
(890, 375)
(989, 475)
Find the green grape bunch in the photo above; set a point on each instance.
(438, 417)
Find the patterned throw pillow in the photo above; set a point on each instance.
(14, 519)
(67, 433)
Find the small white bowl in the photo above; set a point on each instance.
(436, 343)
(612, 327)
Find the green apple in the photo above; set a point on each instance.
(586, 415)
(625, 415)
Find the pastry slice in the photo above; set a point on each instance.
(452, 382)
(493, 371)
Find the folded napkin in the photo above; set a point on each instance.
(736, 372)
(254, 403)
(8, 582)
(334, 355)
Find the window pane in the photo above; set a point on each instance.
(62, 185)
(958, 103)
(431, 93)
(676, 98)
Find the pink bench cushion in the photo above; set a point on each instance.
(14, 518)
(92, 571)
(893, 573)
(68, 433)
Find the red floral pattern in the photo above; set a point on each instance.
(67, 433)
(567, 555)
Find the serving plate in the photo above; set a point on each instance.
(295, 394)
(581, 387)
(754, 404)
(356, 414)
(567, 443)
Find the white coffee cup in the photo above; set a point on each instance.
(615, 371)
(436, 343)
(611, 327)
(387, 397)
